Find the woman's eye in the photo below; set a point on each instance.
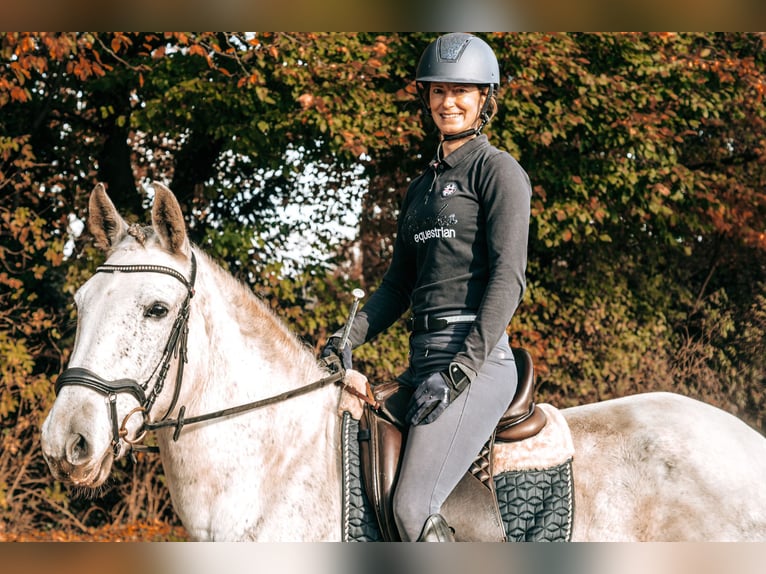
(157, 311)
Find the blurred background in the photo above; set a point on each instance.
(338, 15)
(290, 154)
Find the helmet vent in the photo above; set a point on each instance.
(452, 46)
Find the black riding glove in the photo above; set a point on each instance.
(437, 392)
(334, 357)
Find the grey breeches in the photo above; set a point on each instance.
(437, 455)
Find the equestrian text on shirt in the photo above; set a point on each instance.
(435, 233)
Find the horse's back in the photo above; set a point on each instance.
(659, 466)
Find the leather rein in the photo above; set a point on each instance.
(176, 346)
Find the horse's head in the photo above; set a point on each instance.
(131, 326)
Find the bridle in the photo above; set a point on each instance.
(176, 346)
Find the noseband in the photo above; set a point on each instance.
(175, 347)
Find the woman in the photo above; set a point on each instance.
(459, 261)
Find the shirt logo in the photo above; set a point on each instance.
(448, 190)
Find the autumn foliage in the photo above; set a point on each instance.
(647, 258)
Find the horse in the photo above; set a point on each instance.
(647, 467)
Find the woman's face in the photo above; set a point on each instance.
(455, 107)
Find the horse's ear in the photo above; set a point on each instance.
(168, 220)
(104, 223)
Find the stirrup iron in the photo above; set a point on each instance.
(436, 529)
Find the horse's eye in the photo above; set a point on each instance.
(157, 311)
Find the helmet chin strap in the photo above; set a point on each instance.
(464, 134)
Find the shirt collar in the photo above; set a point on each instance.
(463, 151)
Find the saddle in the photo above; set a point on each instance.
(471, 509)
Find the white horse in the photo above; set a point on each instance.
(647, 467)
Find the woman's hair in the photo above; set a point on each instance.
(492, 106)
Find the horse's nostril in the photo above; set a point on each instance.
(77, 448)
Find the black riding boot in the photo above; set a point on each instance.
(436, 529)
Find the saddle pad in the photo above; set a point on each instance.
(535, 505)
(359, 521)
(549, 448)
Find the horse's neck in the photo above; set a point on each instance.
(273, 460)
(246, 343)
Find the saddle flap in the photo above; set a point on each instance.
(472, 504)
(380, 452)
(471, 509)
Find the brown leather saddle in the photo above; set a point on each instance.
(471, 510)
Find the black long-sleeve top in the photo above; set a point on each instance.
(461, 247)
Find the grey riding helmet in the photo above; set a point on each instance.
(458, 58)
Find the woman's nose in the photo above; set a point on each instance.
(449, 99)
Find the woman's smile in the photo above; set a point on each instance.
(455, 108)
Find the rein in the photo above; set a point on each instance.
(337, 376)
(177, 346)
(180, 422)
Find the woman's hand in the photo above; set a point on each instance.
(436, 393)
(334, 357)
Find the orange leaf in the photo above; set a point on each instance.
(19, 94)
(306, 100)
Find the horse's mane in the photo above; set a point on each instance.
(256, 318)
